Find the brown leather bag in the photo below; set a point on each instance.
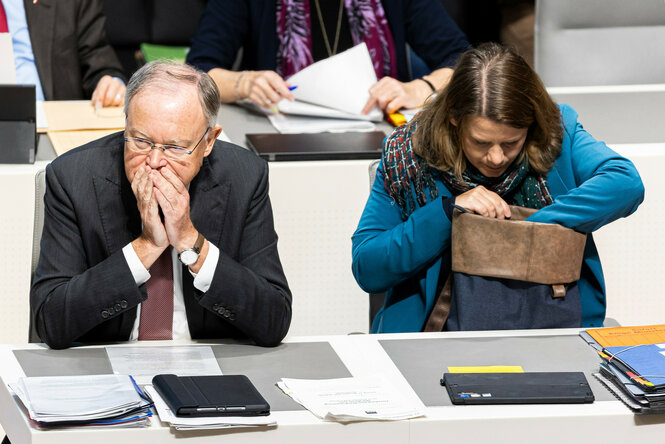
(511, 249)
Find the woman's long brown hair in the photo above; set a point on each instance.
(494, 82)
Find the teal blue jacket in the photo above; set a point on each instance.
(591, 186)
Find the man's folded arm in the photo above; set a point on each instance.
(252, 293)
(69, 295)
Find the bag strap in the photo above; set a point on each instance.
(439, 315)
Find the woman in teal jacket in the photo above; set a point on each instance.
(493, 136)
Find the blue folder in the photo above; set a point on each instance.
(647, 362)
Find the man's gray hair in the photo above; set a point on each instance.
(167, 73)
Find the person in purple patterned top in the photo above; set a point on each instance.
(281, 37)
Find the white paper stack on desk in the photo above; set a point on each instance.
(330, 95)
(352, 399)
(204, 423)
(104, 400)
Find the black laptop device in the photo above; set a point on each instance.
(317, 146)
(518, 388)
(18, 124)
(218, 395)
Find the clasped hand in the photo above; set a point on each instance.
(161, 189)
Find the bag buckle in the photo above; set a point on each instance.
(559, 290)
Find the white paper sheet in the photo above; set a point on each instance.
(351, 399)
(209, 422)
(143, 363)
(307, 109)
(42, 121)
(7, 69)
(340, 82)
(301, 124)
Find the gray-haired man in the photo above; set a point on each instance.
(163, 196)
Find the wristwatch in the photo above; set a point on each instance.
(191, 255)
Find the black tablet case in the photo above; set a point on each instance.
(518, 388)
(220, 395)
(317, 146)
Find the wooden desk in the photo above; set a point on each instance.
(413, 362)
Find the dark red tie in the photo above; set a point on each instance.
(3, 19)
(157, 311)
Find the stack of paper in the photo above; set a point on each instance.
(108, 400)
(633, 366)
(351, 399)
(207, 422)
(334, 91)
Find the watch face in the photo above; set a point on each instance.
(188, 257)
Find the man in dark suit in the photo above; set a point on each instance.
(61, 44)
(162, 194)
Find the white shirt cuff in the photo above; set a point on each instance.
(203, 279)
(141, 275)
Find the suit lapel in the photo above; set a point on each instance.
(41, 22)
(116, 204)
(208, 203)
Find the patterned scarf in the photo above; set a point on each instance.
(407, 174)
(367, 22)
(517, 185)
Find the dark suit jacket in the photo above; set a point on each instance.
(83, 288)
(228, 25)
(69, 43)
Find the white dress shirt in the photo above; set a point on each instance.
(202, 282)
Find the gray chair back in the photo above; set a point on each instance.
(600, 42)
(40, 188)
(372, 171)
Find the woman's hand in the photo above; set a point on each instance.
(482, 201)
(390, 95)
(264, 88)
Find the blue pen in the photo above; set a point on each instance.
(291, 88)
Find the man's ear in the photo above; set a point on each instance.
(213, 134)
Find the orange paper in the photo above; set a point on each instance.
(628, 336)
